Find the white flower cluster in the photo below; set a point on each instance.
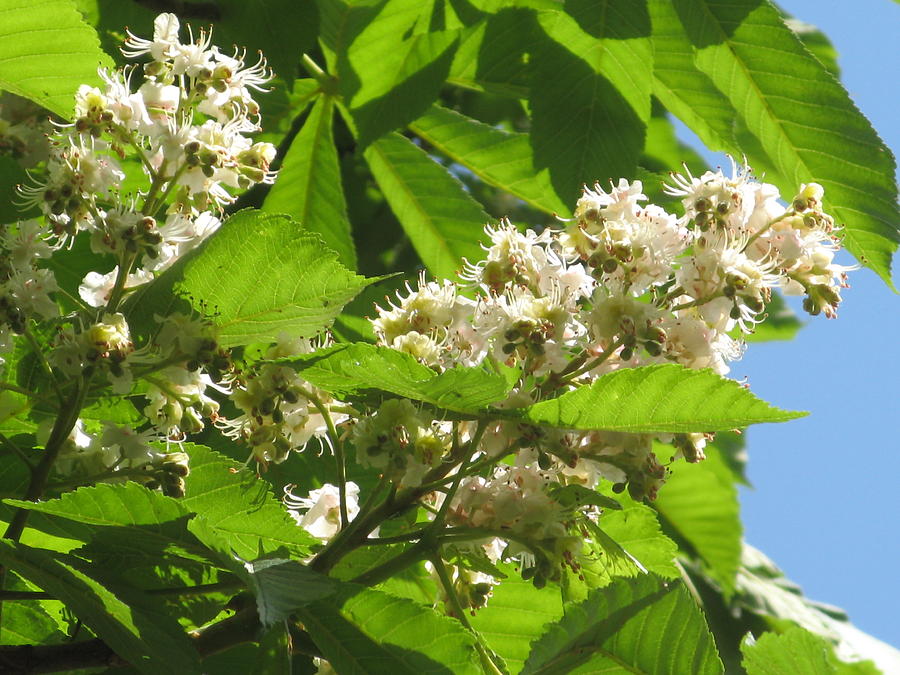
(145, 169)
(280, 410)
(622, 284)
(185, 126)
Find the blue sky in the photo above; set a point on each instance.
(825, 504)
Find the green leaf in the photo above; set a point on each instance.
(493, 54)
(27, 621)
(133, 624)
(798, 652)
(684, 90)
(353, 369)
(700, 502)
(240, 507)
(763, 590)
(363, 631)
(391, 67)
(47, 52)
(590, 93)
(497, 157)
(274, 655)
(109, 504)
(308, 187)
(516, 614)
(657, 399)
(634, 625)
(262, 275)
(280, 586)
(280, 29)
(443, 222)
(803, 118)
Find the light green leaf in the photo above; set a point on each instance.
(280, 586)
(590, 93)
(352, 369)
(109, 504)
(443, 222)
(363, 631)
(624, 543)
(27, 621)
(239, 506)
(657, 399)
(262, 275)
(699, 501)
(47, 52)
(803, 118)
(685, 91)
(133, 624)
(799, 652)
(639, 625)
(391, 68)
(308, 187)
(497, 157)
(516, 614)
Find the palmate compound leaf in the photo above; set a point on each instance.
(262, 275)
(353, 369)
(136, 626)
(802, 117)
(640, 625)
(367, 632)
(443, 222)
(665, 398)
(47, 52)
(309, 183)
(799, 652)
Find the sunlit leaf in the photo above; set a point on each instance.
(308, 187)
(443, 222)
(640, 625)
(47, 52)
(664, 398)
(798, 652)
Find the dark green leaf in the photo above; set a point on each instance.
(262, 275)
(132, 623)
(638, 625)
(308, 187)
(47, 52)
(443, 222)
(274, 655)
(280, 29)
(657, 399)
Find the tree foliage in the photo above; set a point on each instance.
(197, 299)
